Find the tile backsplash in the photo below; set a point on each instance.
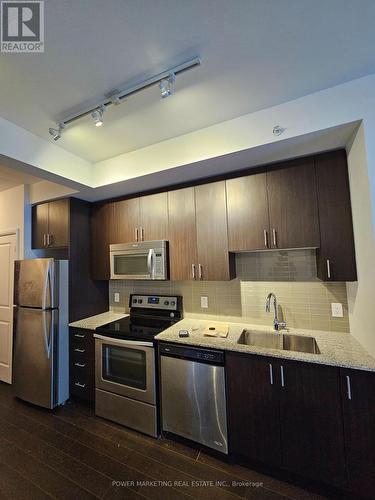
(304, 302)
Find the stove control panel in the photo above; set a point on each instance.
(169, 303)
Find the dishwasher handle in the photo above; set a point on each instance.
(201, 355)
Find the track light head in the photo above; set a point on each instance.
(55, 133)
(167, 85)
(97, 116)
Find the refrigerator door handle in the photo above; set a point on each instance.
(47, 288)
(47, 331)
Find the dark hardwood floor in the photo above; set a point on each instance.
(69, 453)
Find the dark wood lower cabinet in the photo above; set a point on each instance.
(358, 398)
(253, 414)
(312, 436)
(286, 415)
(82, 364)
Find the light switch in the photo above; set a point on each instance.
(337, 311)
(117, 297)
(204, 302)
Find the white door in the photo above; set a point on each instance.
(8, 249)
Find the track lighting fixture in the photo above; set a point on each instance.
(167, 85)
(55, 133)
(97, 116)
(164, 80)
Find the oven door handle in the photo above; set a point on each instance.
(133, 343)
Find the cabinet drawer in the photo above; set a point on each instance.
(82, 382)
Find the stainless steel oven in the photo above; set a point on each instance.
(146, 260)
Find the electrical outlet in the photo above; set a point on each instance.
(204, 302)
(337, 311)
(117, 297)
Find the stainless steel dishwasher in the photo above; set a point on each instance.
(193, 394)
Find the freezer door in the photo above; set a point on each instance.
(35, 356)
(34, 283)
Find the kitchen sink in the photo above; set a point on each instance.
(281, 341)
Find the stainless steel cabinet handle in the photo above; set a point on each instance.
(328, 269)
(142, 234)
(80, 335)
(282, 376)
(50, 239)
(274, 237)
(200, 273)
(77, 349)
(271, 374)
(136, 234)
(80, 365)
(44, 240)
(193, 271)
(348, 387)
(80, 385)
(266, 238)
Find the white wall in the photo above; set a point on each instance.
(12, 202)
(45, 190)
(361, 296)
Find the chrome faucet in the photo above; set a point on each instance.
(277, 324)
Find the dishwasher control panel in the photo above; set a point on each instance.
(192, 353)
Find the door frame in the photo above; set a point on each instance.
(16, 233)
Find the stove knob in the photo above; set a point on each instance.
(134, 301)
(140, 301)
(166, 302)
(173, 303)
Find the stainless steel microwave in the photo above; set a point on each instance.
(146, 260)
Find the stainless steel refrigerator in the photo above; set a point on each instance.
(41, 345)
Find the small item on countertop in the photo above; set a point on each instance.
(183, 333)
(216, 330)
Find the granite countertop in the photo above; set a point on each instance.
(336, 348)
(99, 320)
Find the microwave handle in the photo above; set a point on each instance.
(150, 263)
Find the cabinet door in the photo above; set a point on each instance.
(336, 255)
(253, 412)
(40, 225)
(182, 234)
(126, 221)
(102, 235)
(248, 221)
(212, 238)
(293, 206)
(358, 396)
(312, 436)
(58, 223)
(154, 217)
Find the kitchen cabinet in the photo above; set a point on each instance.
(293, 205)
(358, 399)
(336, 255)
(50, 228)
(102, 234)
(82, 364)
(253, 413)
(141, 219)
(248, 220)
(198, 237)
(182, 234)
(274, 209)
(286, 414)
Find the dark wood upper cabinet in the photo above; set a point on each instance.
(214, 261)
(154, 217)
(248, 220)
(102, 235)
(182, 234)
(293, 205)
(50, 227)
(336, 255)
(253, 414)
(358, 398)
(312, 436)
(125, 223)
(39, 225)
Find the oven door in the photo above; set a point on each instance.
(132, 264)
(126, 368)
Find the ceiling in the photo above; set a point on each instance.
(255, 54)
(10, 178)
